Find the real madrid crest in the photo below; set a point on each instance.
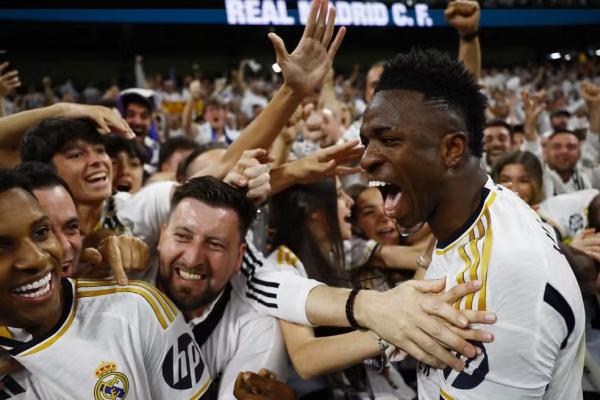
(111, 385)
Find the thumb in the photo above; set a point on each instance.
(279, 46)
(91, 256)
(430, 286)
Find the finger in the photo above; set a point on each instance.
(136, 255)
(311, 23)
(102, 125)
(259, 181)
(90, 256)
(338, 148)
(435, 347)
(255, 171)
(3, 66)
(124, 244)
(343, 171)
(479, 317)
(460, 291)
(257, 382)
(450, 11)
(415, 351)
(254, 153)
(10, 364)
(115, 261)
(11, 74)
(321, 27)
(337, 43)
(429, 286)
(236, 180)
(330, 27)
(281, 52)
(473, 334)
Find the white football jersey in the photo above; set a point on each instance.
(538, 348)
(569, 212)
(112, 342)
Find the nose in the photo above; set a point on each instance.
(31, 257)
(193, 255)
(370, 161)
(348, 200)
(65, 245)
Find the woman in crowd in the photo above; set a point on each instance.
(524, 172)
(311, 222)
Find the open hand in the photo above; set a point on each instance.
(305, 68)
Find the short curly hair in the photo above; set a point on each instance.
(438, 77)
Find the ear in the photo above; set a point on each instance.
(163, 232)
(241, 252)
(453, 149)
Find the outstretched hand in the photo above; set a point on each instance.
(306, 67)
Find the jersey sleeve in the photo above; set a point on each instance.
(267, 351)
(173, 361)
(146, 211)
(270, 288)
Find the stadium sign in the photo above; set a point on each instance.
(349, 13)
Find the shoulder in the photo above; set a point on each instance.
(138, 297)
(284, 258)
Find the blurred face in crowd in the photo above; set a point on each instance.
(403, 136)
(58, 205)
(371, 218)
(87, 169)
(200, 250)
(29, 254)
(496, 142)
(562, 152)
(128, 172)
(517, 140)
(517, 175)
(313, 127)
(139, 118)
(332, 129)
(215, 116)
(171, 163)
(372, 81)
(559, 122)
(344, 207)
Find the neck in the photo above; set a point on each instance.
(565, 175)
(191, 313)
(49, 323)
(460, 198)
(89, 216)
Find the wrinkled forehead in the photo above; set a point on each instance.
(407, 109)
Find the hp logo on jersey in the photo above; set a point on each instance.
(474, 373)
(183, 367)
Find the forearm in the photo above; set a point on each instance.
(318, 356)
(280, 151)
(262, 131)
(469, 53)
(187, 119)
(14, 126)
(2, 109)
(326, 306)
(398, 257)
(282, 177)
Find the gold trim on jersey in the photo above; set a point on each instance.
(286, 256)
(146, 294)
(476, 261)
(5, 332)
(200, 392)
(50, 341)
(166, 304)
(445, 395)
(488, 202)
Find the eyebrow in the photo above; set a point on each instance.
(71, 220)
(40, 221)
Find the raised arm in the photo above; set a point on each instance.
(303, 72)
(8, 81)
(14, 126)
(463, 15)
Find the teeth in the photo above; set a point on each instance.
(43, 285)
(97, 175)
(377, 183)
(188, 276)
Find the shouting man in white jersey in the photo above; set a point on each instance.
(423, 138)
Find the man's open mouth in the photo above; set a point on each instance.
(124, 186)
(391, 195)
(189, 275)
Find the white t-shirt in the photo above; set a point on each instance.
(538, 351)
(234, 337)
(568, 211)
(130, 341)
